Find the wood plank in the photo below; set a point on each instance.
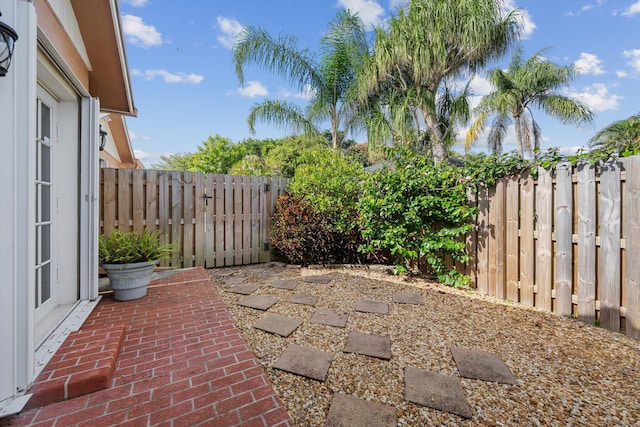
(200, 217)
(544, 249)
(527, 255)
(512, 238)
(188, 215)
(264, 230)
(210, 221)
(220, 230)
(587, 221)
(483, 240)
(124, 199)
(151, 189)
(238, 249)
(138, 199)
(499, 223)
(632, 237)
(472, 243)
(491, 241)
(109, 200)
(176, 217)
(255, 219)
(246, 220)
(164, 200)
(564, 234)
(609, 266)
(228, 220)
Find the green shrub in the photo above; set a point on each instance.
(419, 212)
(130, 247)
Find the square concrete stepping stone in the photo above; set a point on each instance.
(320, 280)
(279, 325)
(259, 302)
(482, 365)
(243, 289)
(330, 318)
(234, 281)
(407, 298)
(224, 273)
(284, 284)
(369, 306)
(440, 392)
(305, 361)
(349, 411)
(306, 299)
(369, 345)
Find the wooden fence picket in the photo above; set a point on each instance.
(632, 246)
(564, 245)
(228, 227)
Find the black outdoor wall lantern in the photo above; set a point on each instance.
(103, 138)
(8, 37)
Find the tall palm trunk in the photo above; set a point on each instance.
(518, 128)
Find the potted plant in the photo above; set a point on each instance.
(129, 258)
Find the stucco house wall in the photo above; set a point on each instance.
(69, 74)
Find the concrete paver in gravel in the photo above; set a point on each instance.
(482, 365)
(284, 284)
(223, 273)
(369, 306)
(407, 298)
(327, 317)
(440, 392)
(231, 281)
(320, 280)
(305, 361)
(369, 345)
(306, 299)
(259, 302)
(279, 325)
(349, 411)
(243, 289)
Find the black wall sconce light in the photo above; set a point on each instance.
(103, 138)
(8, 37)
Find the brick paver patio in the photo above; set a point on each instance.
(182, 362)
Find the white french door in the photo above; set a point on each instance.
(45, 144)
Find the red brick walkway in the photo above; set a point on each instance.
(183, 362)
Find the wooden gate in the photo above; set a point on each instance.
(217, 220)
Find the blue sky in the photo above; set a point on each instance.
(185, 88)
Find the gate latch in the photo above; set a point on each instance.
(206, 199)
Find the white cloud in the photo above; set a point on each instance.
(229, 30)
(253, 89)
(634, 9)
(306, 95)
(589, 64)
(169, 77)
(136, 3)
(133, 135)
(370, 11)
(634, 58)
(148, 159)
(597, 97)
(622, 74)
(528, 26)
(139, 33)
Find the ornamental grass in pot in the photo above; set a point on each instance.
(129, 258)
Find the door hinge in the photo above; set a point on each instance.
(267, 187)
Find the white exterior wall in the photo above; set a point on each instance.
(17, 129)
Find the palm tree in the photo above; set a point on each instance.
(618, 135)
(427, 43)
(328, 81)
(534, 83)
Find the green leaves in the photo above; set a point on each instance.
(420, 213)
(129, 247)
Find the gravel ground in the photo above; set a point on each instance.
(569, 373)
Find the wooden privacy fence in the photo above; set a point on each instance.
(568, 242)
(217, 220)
